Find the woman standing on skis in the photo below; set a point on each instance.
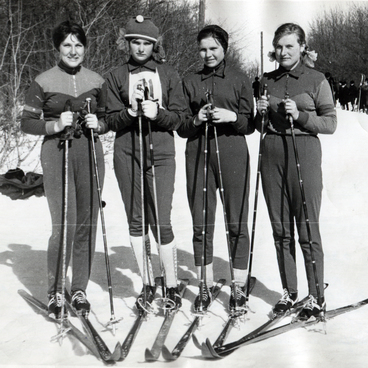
(297, 92)
(56, 100)
(221, 97)
(145, 85)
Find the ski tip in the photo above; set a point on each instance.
(208, 350)
(196, 342)
(116, 355)
(149, 356)
(166, 354)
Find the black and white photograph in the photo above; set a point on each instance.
(183, 183)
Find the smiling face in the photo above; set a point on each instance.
(211, 52)
(288, 51)
(71, 51)
(140, 50)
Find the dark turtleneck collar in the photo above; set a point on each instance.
(68, 69)
(135, 67)
(218, 70)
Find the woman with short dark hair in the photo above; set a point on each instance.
(55, 107)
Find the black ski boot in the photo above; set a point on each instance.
(150, 296)
(286, 302)
(174, 297)
(312, 309)
(54, 305)
(80, 303)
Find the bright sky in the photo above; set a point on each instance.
(246, 19)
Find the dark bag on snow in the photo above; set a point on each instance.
(18, 185)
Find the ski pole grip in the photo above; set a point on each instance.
(88, 102)
(288, 116)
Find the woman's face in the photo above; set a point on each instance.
(71, 51)
(288, 51)
(211, 52)
(140, 50)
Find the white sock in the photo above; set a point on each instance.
(209, 274)
(168, 259)
(240, 276)
(137, 246)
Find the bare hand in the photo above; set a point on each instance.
(91, 121)
(290, 108)
(137, 95)
(150, 109)
(262, 105)
(220, 115)
(66, 119)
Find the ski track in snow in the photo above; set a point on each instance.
(25, 229)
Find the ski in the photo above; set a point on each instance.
(103, 350)
(154, 353)
(132, 334)
(209, 351)
(41, 308)
(232, 320)
(175, 354)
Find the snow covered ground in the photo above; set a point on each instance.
(25, 228)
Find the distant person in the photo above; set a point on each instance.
(353, 94)
(256, 88)
(45, 114)
(364, 97)
(297, 92)
(331, 82)
(344, 96)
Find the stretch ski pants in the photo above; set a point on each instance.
(82, 208)
(234, 162)
(128, 173)
(285, 206)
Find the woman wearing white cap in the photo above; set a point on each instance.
(147, 83)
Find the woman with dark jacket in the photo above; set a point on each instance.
(56, 100)
(297, 92)
(146, 86)
(222, 97)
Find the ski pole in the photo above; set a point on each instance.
(144, 249)
(204, 218)
(113, 319)
(209, 99)
(305, 209)
(65, 138)
(250, 263)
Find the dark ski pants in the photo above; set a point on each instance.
(285, 206)
(128, 174)
(82, 209)
(234, 161)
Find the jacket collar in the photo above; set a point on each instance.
(68, 69)
(218, 71)
(135, 67)
(295, 73)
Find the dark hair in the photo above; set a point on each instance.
(287, 29)
(61, 32)
(215, 32)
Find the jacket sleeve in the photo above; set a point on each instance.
(244, 123)
(323, 120)
(172, 116)
(32, 121)
(187, 128)
(101, 109)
